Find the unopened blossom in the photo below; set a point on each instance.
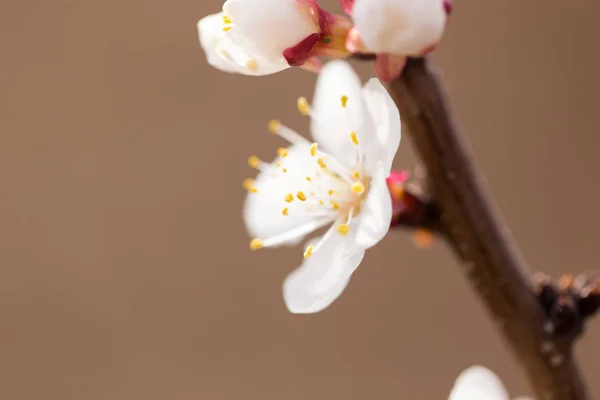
(336, 181)
(479, 383)
(260, 37)
(395, 30)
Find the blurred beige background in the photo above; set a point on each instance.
(125, 270)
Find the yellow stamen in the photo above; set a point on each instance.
(330, 192)
(226, 19)
(289, 197)
(343, 229)
(321, 163)
(321, 202)
(282, 152)
(278, 164)
(358, 187)
(423, 238)
(313, 149)
(253, 161)
(303, 105)
(274, 126)
(226, 29)
(335, 205)
(301, 196)
(308, 178)
(252, 65)
(309, 250)
(344, 100)
(354, 138)
(248, 183)
(355, 174)
(255, 244)
(398, 192)
(284, 170)
(285, 211)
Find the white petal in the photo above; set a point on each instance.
(263, 210)
(268, 27)
(407, 27)
(212, 37)
(224, 53)
(324, 276)
(332, 124)
(376, 214)
(384, 112)
(478, 383)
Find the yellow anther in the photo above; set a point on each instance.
(321, 163)
(354, 138)
(252, 65)
(253, 161)
(285, 211)
(303, 105)
(313, 149)
(423, 238)
(226, 29)
(335, 205)
(309, 250)
(289, 197)
(256, 244)
(301, 196)
(355, 174)
(344, 100)
(330, 192)
(282, 152)
(284, 170)
(343, 229)
(397, 192)
(248, 183)
(321, 202)
(308, 178)
(274, 126)
(358, 187)
(278, 164)
(226, 19)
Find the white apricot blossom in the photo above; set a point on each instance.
(394, 30)
(339, 180)
(406, 27)
(260, 37)
(479, 383)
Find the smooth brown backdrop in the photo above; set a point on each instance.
(125, 271)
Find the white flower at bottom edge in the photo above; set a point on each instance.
(479, 383)
(338, 180)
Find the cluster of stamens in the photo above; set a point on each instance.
(333, 194)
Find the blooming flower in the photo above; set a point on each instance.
(479, 383)
(260, 37)
(339, 180)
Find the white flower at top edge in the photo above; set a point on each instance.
(404, 27)
(339, 180)
(260, 37)
(479, 383)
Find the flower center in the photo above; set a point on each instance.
(317, 184)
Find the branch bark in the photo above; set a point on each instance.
(487, 253)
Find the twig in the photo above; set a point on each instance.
(488, 255)
(568, 302)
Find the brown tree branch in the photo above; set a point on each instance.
(487, 253)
